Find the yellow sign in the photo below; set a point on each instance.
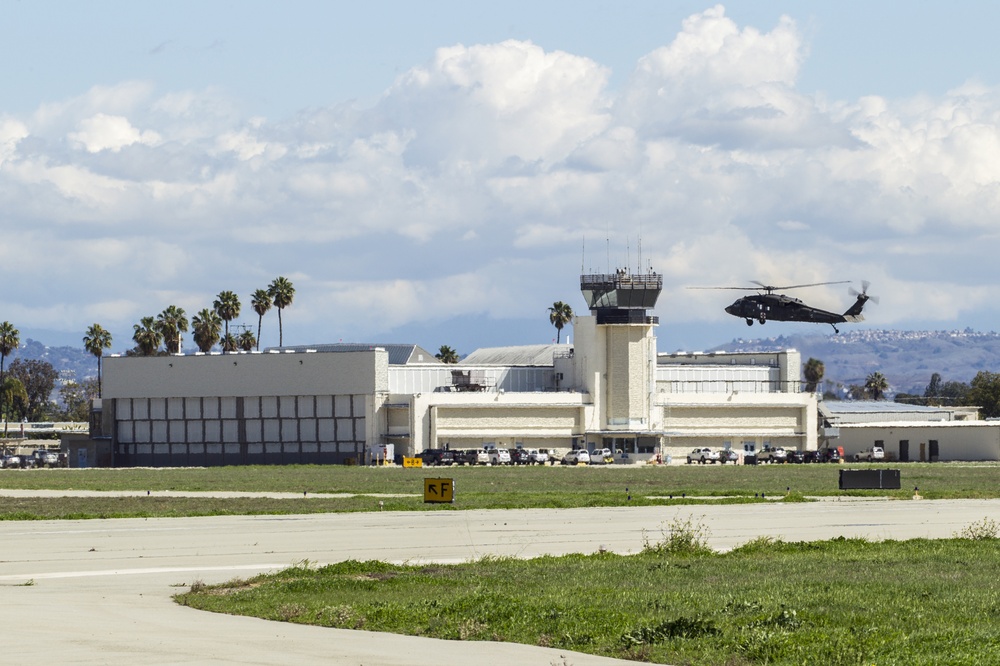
(413, 462)
(439, 490)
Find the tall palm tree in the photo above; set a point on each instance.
(246, 340)
(171, 323)
(260, 301)
(560, 314)
(96, 341)
(227, 305)
(446, 355)
(207, 326)
(10, 339)
(147, 336)
(282, 294)
(876, 385)
(813, 372)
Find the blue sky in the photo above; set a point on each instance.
(440, 172)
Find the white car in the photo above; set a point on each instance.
(537, 457)
(576, 457)
(702, 456)
(771, 455)
(497, 456)
(871, 455)
(601, 457)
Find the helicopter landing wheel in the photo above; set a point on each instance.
(749, 322)
(762, 320)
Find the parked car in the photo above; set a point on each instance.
(795, 456)
(728, 455)
(771, 454)
(576, 457)
(45, 458)
(832, 454)
(601, 457)
(872, 454)
(538, 456)
(702, 456)
(497, 456)
(812, 456)
(437, 457)
(519, 457)
(11, 461)
(476, 457)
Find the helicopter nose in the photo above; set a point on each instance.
(731, 309)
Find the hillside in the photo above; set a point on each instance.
(906, 358)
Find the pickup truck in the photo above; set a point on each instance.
(872, 454)
(537, 457)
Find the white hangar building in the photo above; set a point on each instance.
(330, 403)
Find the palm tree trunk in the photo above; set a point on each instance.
(260, 321)
(281, 332)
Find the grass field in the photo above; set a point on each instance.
(476, 488)
(845, 601)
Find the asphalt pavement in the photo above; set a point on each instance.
(99, 591)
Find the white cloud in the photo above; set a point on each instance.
(476, 181)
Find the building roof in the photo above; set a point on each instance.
(878, 407)
(520, 355)
(399, 354)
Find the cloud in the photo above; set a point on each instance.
(477, 180)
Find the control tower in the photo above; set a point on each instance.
(616, 353)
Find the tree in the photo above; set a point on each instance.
(933, 389)
(228, 343)
(282, 294)
(39, 379)
(446, 355)
(10, 339)
(813, 373)
(171, 323)
(876, 385)
(76, 399)
(207, 327)
(96, 341)
(227, 306)
(13, 396)
(260, 301)
(147, 336)
(246, 340)
(984, 392)
(560, 314)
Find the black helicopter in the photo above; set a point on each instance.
(766, 305)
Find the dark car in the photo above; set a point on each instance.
(830, 455)
(812, 457)
(437, 457)
(519, 457)
(793, 456)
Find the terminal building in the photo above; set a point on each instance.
(340, 403)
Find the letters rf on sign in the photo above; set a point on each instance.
(439, 490)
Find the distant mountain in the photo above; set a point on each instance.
(65, 360)
(906, 358)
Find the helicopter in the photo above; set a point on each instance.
(766, 304)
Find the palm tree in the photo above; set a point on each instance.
(207, 326)
(10, 339)
(227, 305)
(246, 340)
(96, 341)
(147, 336)
(282, 294)
(261, 303)
(560, 314)
(876, 385)
(228, 343)
(813, 372)
(171, 323)
(446, 355)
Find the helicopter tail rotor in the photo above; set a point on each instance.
(863, 294)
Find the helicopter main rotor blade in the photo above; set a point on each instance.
(798, 286)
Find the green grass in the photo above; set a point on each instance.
(845, 601)
(476, 488)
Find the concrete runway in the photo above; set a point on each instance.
(98, 591)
